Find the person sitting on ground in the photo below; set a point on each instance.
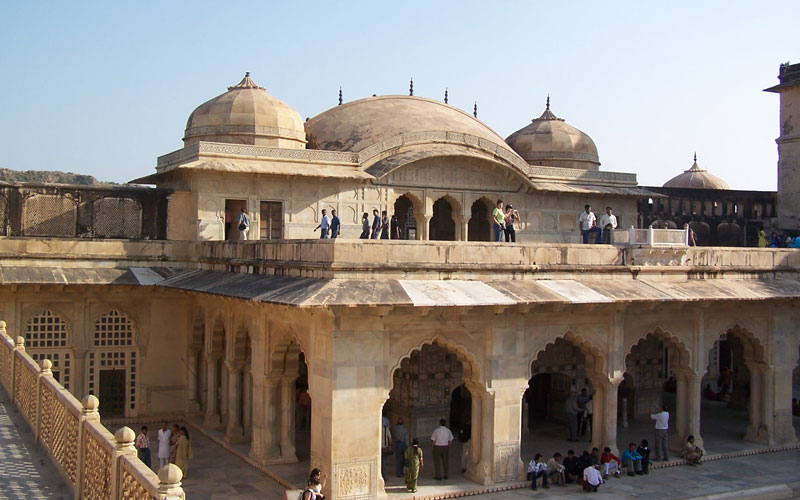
(572, 467)
(644, 451)
(594, 458)
(592, 479)
(691, 452)
(309, 493)
(632, 460)
(555, 471)
(609, 462)
(536, 469)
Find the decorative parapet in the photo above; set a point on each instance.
(576, 174)
(249, 151)
(94, 463)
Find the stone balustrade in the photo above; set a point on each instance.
(94, 463)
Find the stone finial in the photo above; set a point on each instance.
(445, 95)
(170, 475)
(547, 106)
(475, 109)
(19, 342)
(47, 366)
(695, 156)
(411, 87)
(124, 437)
(547, 114)
(246, 83)
(90, 403)
(2, 326)
(340, 96)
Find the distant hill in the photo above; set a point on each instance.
(48, 176)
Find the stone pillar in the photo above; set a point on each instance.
(247, 408)
(463, 224)
(777, 397)
(234, 431)
(45, 372)
(192, 377)
(169, 483)
(287, 416)
(756, 428)
(425, 228)
(124, 438)
(499, 458)
(89, 411)
(685, 418)
(479, 464)
(79, 373)
(212, 417)
(223, 393)
(604, 412)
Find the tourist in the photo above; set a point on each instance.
(536, 469)
(309, 493)
(588, 225)
(173, 443)
(143, 447)
(440, 442)
(184, 452)
(364, 227)
(608, 222)
(661, 416)
(587, 419)
(774, 240)
(582, 399)
(795, 243)
(304, 407)
(385, 226)
(644, 451)
(691, 452)
(632, 460)
(336, 224)
(592, 479)
(401, 437)
(394, 225)
(376, 225)
(572, 410)
(610, 463)
(319, 483)
(498, 221)
(324, 225)
(413, 463)
(163, 445)
(243, 224)
(512, 216)
(386, 434)
(555, 471)
(762, 239)
(464, 437)
(691, 238)
(594, 457)
(572, 467)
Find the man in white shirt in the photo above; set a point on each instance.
(163, 446)
(324, 225)
(440, 442)
(661, 416)
(588, 224)
(608, 222)
(591, 478)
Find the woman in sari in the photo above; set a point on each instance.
(173, 443)
(413, 462)
(183, 452)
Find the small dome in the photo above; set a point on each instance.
(246, 114)
(550, 141)
(696, 178)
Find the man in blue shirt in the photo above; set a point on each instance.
(335, 224)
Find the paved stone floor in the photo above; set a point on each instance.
(26, 471)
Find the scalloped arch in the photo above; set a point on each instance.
(748, 338)
(578, 340)
(665, 336)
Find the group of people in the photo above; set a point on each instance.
(381, 228)
(777, 240)
(503, 219)
(603, 229)
(591, 469)
(174, 446)
(316, 482)
(579, 408)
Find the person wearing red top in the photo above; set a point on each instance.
(609, 462)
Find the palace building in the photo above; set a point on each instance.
(144, 298)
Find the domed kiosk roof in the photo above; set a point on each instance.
(246, 114)
(549, 140)
(359, 124)
(696, 178)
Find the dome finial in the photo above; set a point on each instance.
(695, 156)
(445, 95)
(547, 107)
(548, 115)
(340, 95)
(246, 83)
(475, 109)
(411, 87)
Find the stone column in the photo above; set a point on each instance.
(234, 431)
(604, 412)
(463, 224)
(192, 377)
(223, 395)
(502, 421)
(685, 418)
(124, 439)
(777, 396)
(425, 228)
(79, 375)
(287, 415)
(247, 408)
(756, 430)
(212, 417)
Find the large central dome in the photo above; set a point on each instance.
(550, 141)
(359, 124)
(246, 114)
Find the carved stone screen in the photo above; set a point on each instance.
(46, 338)
(49, 215)
(117, 218)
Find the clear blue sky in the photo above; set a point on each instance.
(105, 88)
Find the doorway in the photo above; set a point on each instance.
(271, 223)
(112, 393)
(478, 228)
(232, 210)
(442, 225)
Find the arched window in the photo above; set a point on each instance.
(113, 330)
(46, 338)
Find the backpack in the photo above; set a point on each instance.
(303, 494)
